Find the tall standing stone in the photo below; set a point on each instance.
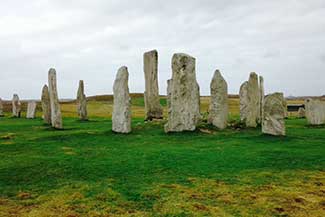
(274, 114)
(301, 112)
(262, 93)
(315, 111)
(31, 110)
(122, 104)
(46, 105)
(153, 109)
(82, 102)
(56, 117)
(169, 93)
(184, 112)
(1, 108)
(16, 106)
(243, 101)
(218, 112)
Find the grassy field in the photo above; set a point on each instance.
(86, 170)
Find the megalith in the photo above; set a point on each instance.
(184, 106)
(153, 109)
(301, 113)
(218, 111)
(262, 93)
(46, 105)
(16, 106)
(273, 122)
(121, 118)
(315, 111)
(82, 102)
(243, 102)
(1, 108)
(31, 110)
(56, 116)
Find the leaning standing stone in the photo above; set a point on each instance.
(262, 93)
(82, 102)
(31, 110)
(46, 105)
(56, 117)
(218, 112)
(274, 114)
(1, 108)
(122, 106)
(16, 106)
(315, 111)
(184, 112)
(153, 109)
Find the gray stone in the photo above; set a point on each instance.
(262, 93)
(218, 112)
(82, 102)
(46, 105)
(169, 93)
(184, 104)
(243, 101)
(274, 114)
(31, 110)
(153, 109)
(1, 108)
(56, 116)
(301, 113)
(16, 106)
(121, 117)
(315, 111)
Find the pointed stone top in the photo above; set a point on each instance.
(253, 74)
(52, 71)
(45, 86)
(122, 72)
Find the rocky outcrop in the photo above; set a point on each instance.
(31, 110)
(218, 111)
(82, 102)
(153, 109)
(46, 105)
(16, 106)
(184, 104)
(56, 116)
(315, 111)
(121, 118)
(273, 122)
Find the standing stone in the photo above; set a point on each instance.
(31, 110)
(253, 92)
(218, 112)
(46, 105)
(16, 106)
(184, 112)
(82, 102)
(56, 117)
(169, 93)
(262, 93)
(301, 112)
(274, 114)
(153, 109)
(1, 108)
(315, 111)
(122, 104)
(243, 101)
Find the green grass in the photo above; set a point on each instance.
(139, 172)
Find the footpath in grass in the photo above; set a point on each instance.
(86, 170)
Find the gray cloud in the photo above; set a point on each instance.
(282, 40)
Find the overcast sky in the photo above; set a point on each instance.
(283, 40)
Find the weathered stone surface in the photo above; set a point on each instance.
(1, 108)
(153, 109)
(301, 113)
(262, 93)
(169, 94)
(82, 102)
(184, 106)
(16, 106)
(122, 104)
(315, 111)
(46, 105)
(274, 115)
(31, 110)
(243, 101)
(56, 117)
(253, 93)
(218, 112)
